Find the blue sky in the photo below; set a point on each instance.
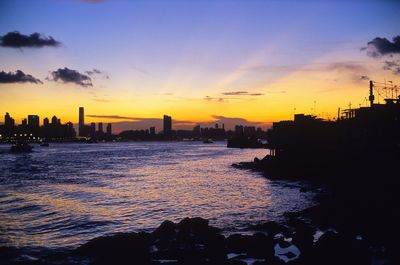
(191, 50)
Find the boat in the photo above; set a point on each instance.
(21, 147)
(208, 141)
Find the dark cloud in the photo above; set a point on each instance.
(393, 66)
(35, 40)
(70, 76)
(364, 77)
(18, 77)
(381, 46)
(241, 93)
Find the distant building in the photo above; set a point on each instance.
(81, 121)
(239, 130)
(100, 127)
(54, 120)
(24, 123)
(197, 131)
(46, 122)
(109, 129)
(8, 121)
(92, 130)
(153, 130)
(167, 125)
(33, 121)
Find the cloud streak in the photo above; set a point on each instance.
(35, 40)
(17, 77)
(95, 72)
(66, 75)
(393, 66)
(241, 93)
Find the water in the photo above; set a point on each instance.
(66, 194)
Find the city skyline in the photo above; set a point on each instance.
(201, 62)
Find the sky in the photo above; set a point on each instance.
(199, 61)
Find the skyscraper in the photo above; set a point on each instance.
(46, 122)
(167, 125)
(109, 129)
(33, 121)
(100, 127)
(81, 121)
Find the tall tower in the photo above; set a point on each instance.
(81, 120)
(167, 125)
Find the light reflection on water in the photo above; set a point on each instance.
(66, 194)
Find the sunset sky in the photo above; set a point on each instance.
(198, 61)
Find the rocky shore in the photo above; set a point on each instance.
(194, 241)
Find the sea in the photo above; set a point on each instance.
(68, 193)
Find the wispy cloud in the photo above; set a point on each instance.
(241, 93)
(95, 72)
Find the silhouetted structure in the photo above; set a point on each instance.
(308, 146)
(81, 124)
(109, 129)
(167, 122)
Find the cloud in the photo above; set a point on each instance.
(208, 98)
(17, 77)
(345, 66)
(381, 46)
(241, 93)
(393, 66)
(35, 40)
(364, 77)
(102, 100)
(97, 72)
(70, 76)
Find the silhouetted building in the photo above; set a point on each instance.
(54, 120)
(46, 122)
(33, 121)
(100, 127)
(167, 125)
(24, 123)
(109, 129)
(153, 130)
(239, 130)
(9, 124)
(81, 121)
(92, 130)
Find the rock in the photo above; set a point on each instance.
(303, 238)
(122, 248)
(215, 248)
(237, 243)
(165, 231)
(261, 246)
(333, 248)
(195, 226)
(235, 262)
(271, 227)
